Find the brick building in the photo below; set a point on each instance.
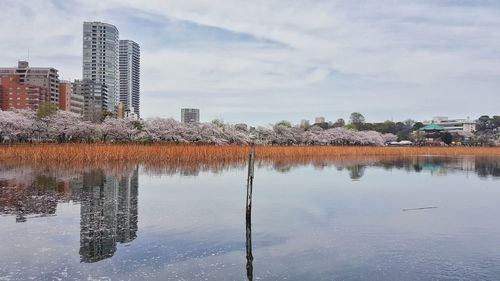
(45, 77)
(65, 93)
(15, 94)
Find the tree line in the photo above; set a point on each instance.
(61, 126)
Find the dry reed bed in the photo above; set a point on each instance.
(207, 154)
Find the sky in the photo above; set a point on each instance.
(263, 61)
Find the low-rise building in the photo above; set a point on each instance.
(319, 120)
(304, 123)
(92, 97)
(14, 94)
(77, 103)
(453, 125)
(45, 77)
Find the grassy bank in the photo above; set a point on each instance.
(98, 153)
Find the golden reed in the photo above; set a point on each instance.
(186, 153)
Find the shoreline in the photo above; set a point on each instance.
(192, 153)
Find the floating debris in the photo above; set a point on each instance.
(416, 209)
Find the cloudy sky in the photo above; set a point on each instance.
(263, 61)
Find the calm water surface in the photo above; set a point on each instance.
(338, 219)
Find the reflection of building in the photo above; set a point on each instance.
(97, 217)
(127, 208)
(108, 214)
(108, 204)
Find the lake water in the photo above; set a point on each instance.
(324, 219)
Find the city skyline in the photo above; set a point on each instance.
(412, 60)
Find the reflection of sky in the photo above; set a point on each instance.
(308, 224)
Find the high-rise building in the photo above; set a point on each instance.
(17, 95)
(65, 93)
(130, 59)
(45, 77)
(101, 61)
(190, 115)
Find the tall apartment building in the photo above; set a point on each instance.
(45, 77)
(101, 61)
(130, 59)
(190, 115)
(65, 93)
(15, 94)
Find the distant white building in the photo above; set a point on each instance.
(453, 125)
(132, 115)
(304, 123)
(190, 115)
(318, 120)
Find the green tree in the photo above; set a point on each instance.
(46, 109)
(484, 123)
(446, 137)
(137, 125)
(339, 123)
(284, 123)
(357, 119)
(105, 114)
(496, 121)
(218, 123)
(417, 126)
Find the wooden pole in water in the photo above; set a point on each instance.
(251, 160)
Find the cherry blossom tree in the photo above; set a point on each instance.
(61, 126)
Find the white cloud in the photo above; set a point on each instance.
(323, 56)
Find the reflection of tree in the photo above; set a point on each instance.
(35, 198)
(356, 172)
(488, 167)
